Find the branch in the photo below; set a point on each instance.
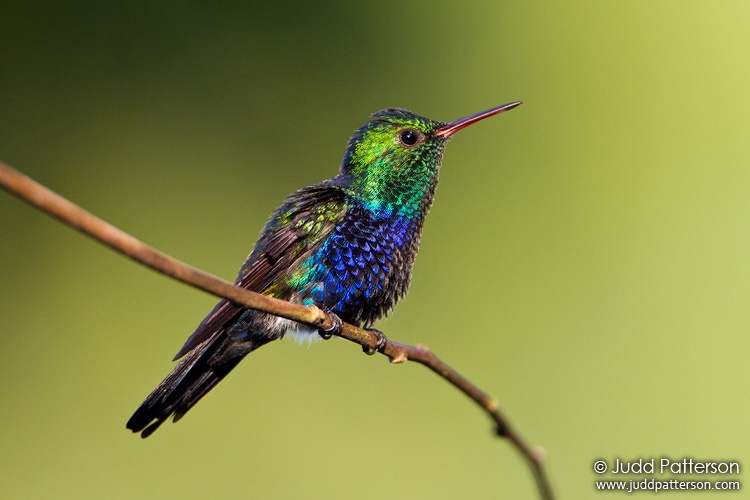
(71, 214)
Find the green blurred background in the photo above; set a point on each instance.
(586, 260)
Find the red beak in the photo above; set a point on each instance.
(457, 125)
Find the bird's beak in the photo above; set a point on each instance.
(456, 125)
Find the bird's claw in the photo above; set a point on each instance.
(382, 340)
(335, 328)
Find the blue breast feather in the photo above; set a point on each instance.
(363, 268)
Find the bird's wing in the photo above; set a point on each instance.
(295, 230)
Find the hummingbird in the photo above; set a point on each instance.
(346, 245)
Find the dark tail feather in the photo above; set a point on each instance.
(196, 374)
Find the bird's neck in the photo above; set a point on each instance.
(403, 194)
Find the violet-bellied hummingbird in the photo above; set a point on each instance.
(346, 245)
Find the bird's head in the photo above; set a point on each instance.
(392, 161)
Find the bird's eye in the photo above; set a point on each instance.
(409, 137)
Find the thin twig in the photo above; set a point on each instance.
(71, 214)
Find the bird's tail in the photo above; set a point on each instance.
(196, 374)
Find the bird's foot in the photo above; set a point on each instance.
(382, 340)
(335, 328)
